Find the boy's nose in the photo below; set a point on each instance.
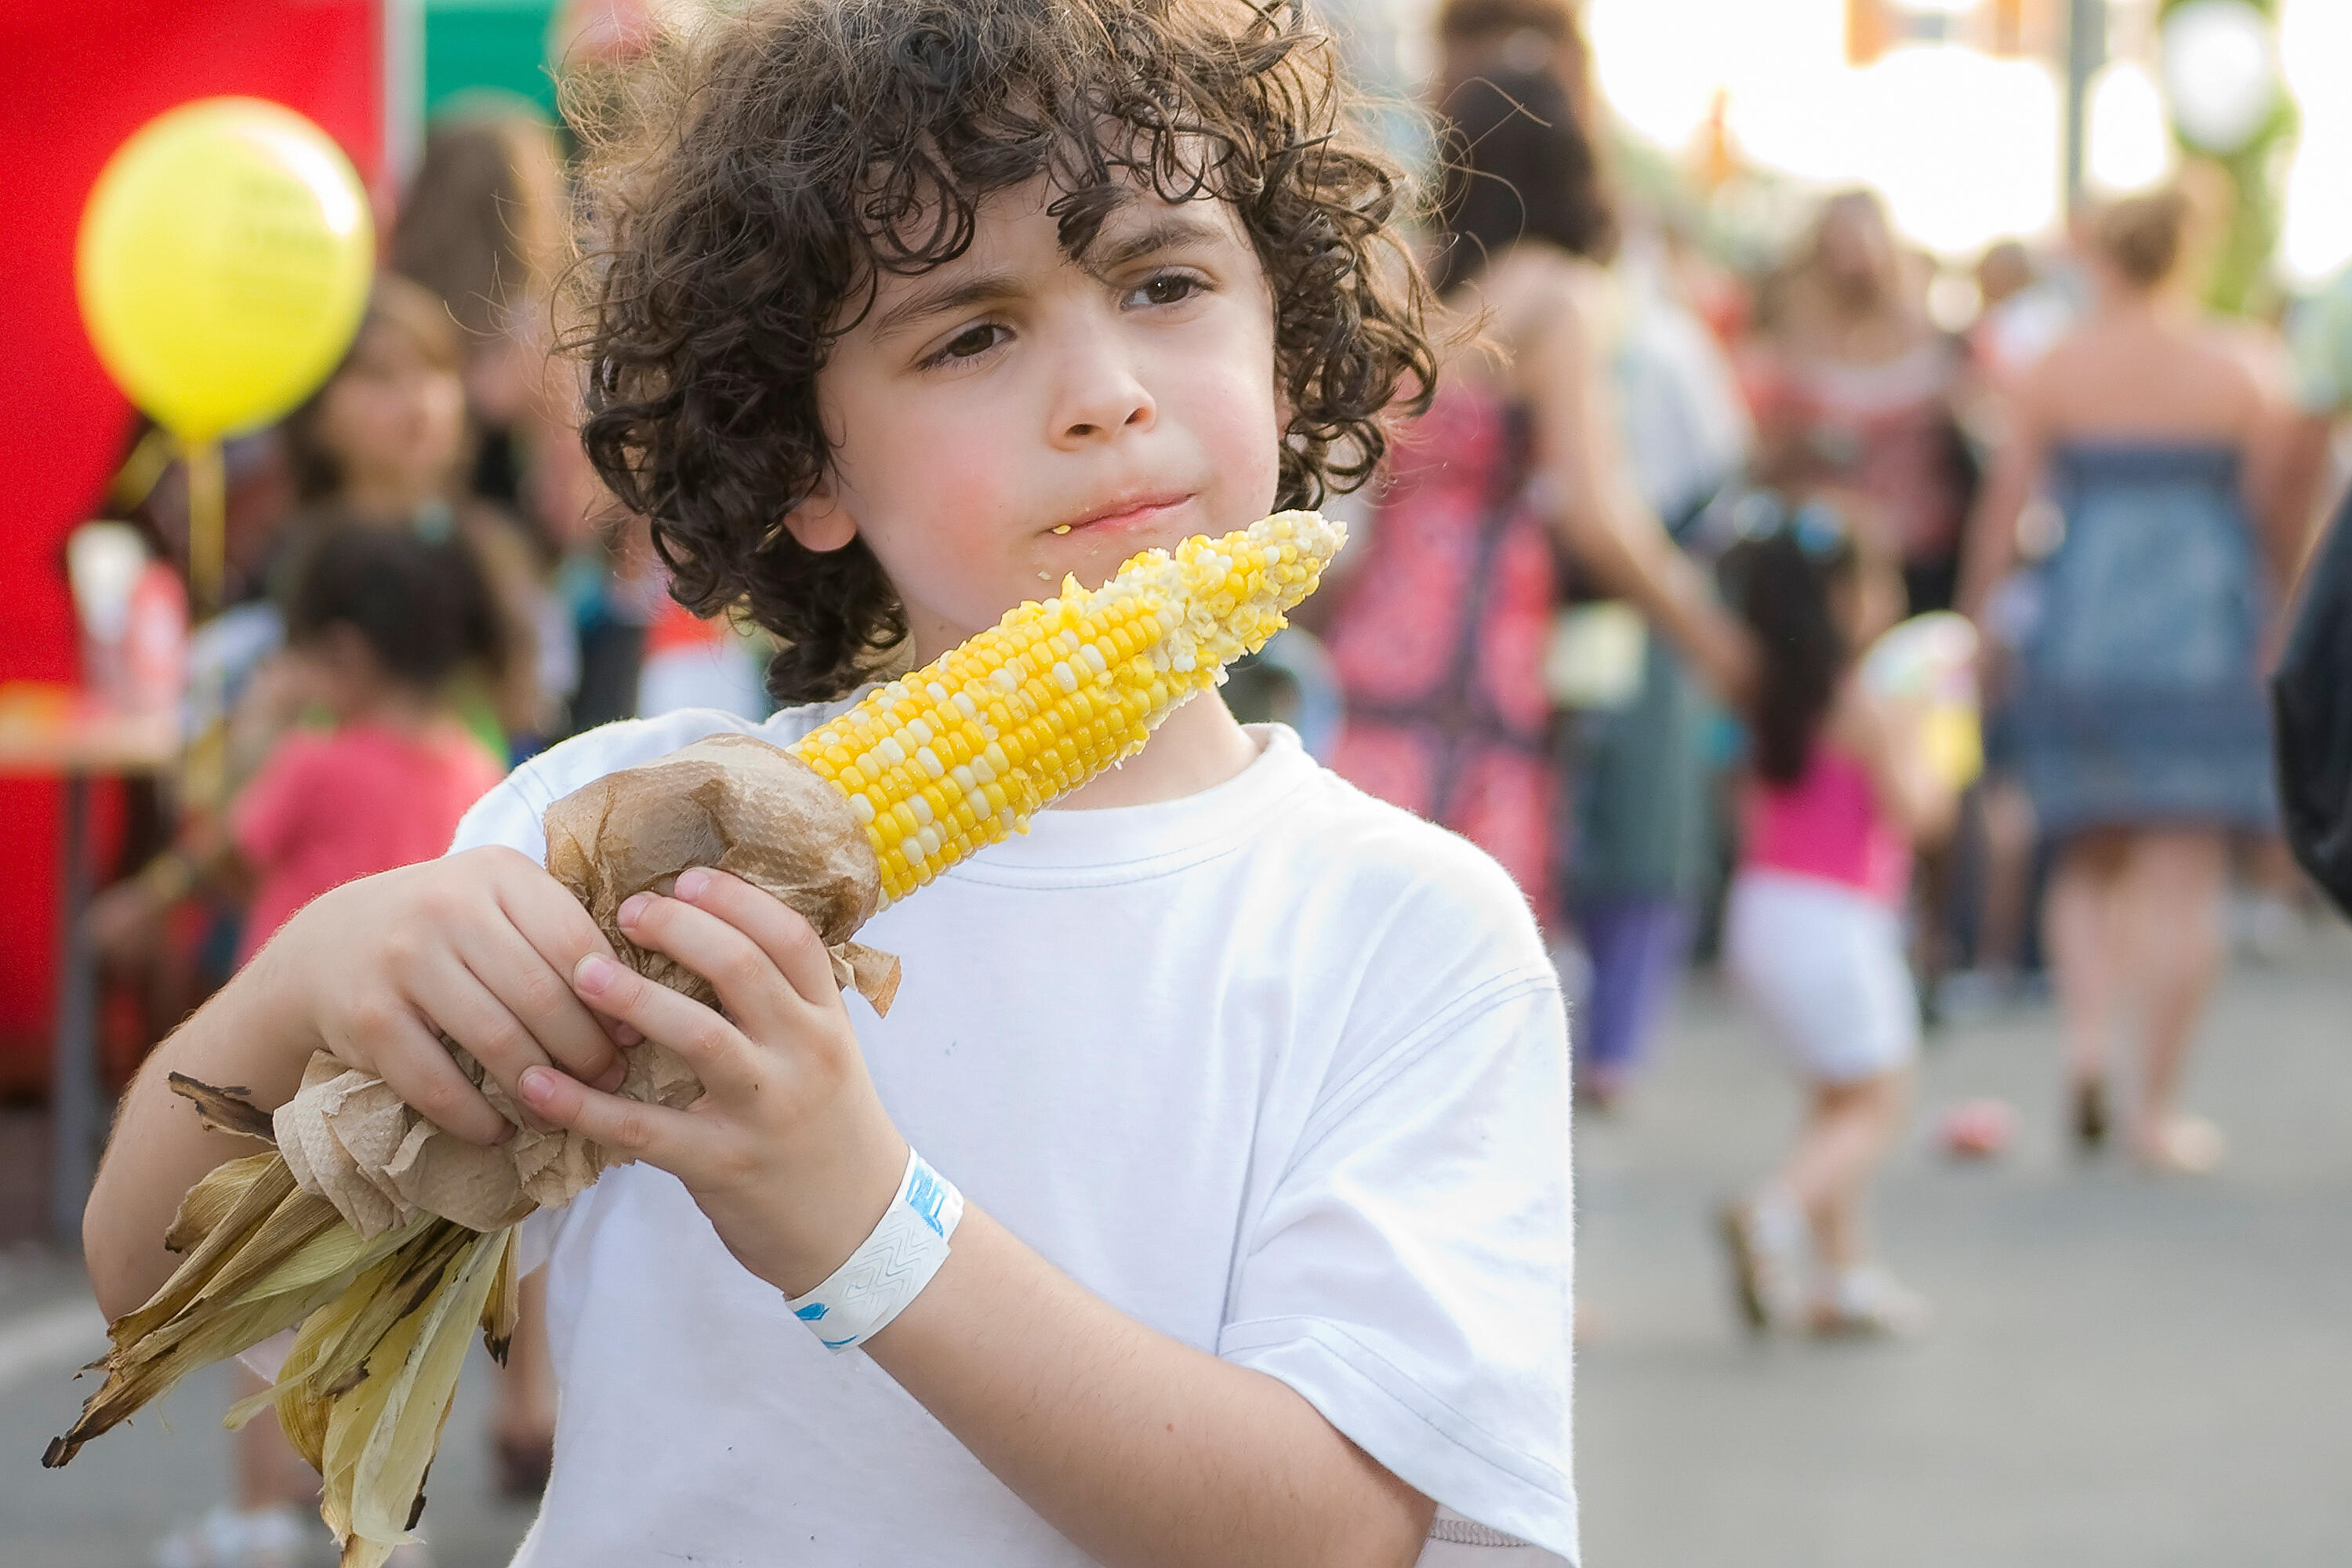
(1101, 396)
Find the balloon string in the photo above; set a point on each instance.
(207, 526)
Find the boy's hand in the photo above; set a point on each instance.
(789, 1150)
(477, 945)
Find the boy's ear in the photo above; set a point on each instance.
(820, 522)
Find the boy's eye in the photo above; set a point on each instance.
(1166, 288)
(970, 343)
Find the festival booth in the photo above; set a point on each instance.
(82, 80)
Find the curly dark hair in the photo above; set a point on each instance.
(773, 164)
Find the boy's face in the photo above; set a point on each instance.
(1013, 414)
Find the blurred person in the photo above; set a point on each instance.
(1643, 840)
(484, 224)
(1438, 636)
(2141, 731)
(1853, 385)
(1855, 388)
(379, 625)
(2024, 310)
(1840, 790)
(382, 445)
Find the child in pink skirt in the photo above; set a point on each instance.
(1814, 933)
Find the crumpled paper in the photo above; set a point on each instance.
(732, 801)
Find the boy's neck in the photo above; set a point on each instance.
(1198, 746)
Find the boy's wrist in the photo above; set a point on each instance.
(833, 1213)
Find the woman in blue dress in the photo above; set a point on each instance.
(2139, 723)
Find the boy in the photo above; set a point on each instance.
(1256, 1088)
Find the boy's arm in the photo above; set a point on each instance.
(475, 945)
(1139, 1448)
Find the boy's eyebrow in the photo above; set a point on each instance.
(979, 289)
(1167, 231)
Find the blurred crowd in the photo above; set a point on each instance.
(1608, 616)
(1638, 592)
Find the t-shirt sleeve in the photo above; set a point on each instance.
(1411, 1275)
(266, 820)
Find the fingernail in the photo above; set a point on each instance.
(633, 906)
(690, 883)
(622, 1035)
(538, 1085)
(610, 1080)
(594, 973)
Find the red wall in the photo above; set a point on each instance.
(75, 80)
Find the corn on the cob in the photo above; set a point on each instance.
(933, 766)
(956, 755)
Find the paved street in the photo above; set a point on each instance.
(2129, 1371)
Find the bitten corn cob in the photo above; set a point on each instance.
(932, 766)
(958, 753)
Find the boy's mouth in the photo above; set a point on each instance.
(1126, 514)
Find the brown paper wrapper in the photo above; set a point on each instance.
(732, 801)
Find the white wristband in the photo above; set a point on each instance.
(891, 1268)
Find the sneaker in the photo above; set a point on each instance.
(1867, 1302)
(279, 1536)
(1762, 1236)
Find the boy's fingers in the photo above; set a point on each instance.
(462, 1007)
(781, 932)
(419, 1068)
(519, 980)
(719, 1054)
(561, 933)
(627, 1127)
(750, 987)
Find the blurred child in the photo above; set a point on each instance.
(1814, 933)
(380, 622)
(382, 444)
(378, 625)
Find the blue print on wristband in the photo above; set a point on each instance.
(811, 1313)
(926, 1195)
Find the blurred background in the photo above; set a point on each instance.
(1896, 274)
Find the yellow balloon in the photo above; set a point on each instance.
(224, 261)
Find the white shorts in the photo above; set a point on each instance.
(1823, 964)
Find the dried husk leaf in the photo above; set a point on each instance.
(207, 1208)
(376, 1461)
(260, 1188)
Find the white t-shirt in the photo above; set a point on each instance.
(1275, 1069)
